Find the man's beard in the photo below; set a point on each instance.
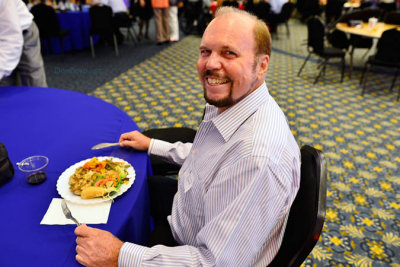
(227, 101)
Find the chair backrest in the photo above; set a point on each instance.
(334, 7)
(363, 14)
(392, 17)
(101, 20)
(388, 47)
(262, 10)
(316, 33)
(338, 39)
(307, 214)
(286, 11)
(46, 19)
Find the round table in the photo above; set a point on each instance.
(62, 125)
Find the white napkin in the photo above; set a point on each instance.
(90, 214)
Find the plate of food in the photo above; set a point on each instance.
(95, 180)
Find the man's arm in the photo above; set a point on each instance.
(11, 39)
(175, 153)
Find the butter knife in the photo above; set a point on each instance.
(104, 145)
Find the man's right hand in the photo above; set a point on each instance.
(135, 140)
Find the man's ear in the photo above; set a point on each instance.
(263, 63)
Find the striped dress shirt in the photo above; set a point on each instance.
(236, 185)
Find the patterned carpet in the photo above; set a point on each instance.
(359, 135)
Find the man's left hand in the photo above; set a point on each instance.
(96, 247)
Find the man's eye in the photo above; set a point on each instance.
(229, 53)
(204, 52)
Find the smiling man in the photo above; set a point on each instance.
(239, 177)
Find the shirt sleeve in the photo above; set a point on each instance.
(171, 152)
(253, 217)
(11, 39)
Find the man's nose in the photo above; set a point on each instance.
(213, 62)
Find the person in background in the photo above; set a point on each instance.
(120, 14)
(173, 21)
(161, 19)
(21, 61)
(144, 10)
(238, 179)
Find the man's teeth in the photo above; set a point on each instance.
(216, 81)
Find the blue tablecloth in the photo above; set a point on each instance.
(62, 125)
(78, 23)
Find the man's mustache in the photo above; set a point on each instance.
(214, 74)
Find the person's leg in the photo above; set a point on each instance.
(31, 67)
(141, 25)
(158, 23)
(165, 25)
(147, 24)
(162, 190)
(173, 23)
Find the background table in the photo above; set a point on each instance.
(62, 125)
(78, 23)
(364, 30)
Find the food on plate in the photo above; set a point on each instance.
(98, 178)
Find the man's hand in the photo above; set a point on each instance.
(96, 247)
(135, 140)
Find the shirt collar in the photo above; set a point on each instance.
(229, 121)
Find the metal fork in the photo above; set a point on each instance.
(67, 212)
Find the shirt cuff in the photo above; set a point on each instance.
(150, 147)
(131, 255)
(159, 148)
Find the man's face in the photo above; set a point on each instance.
(227, 67)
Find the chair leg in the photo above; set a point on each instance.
(343, 64)
(92, 46)
(363, 73)
(322, 70)
(398, 94)
(394, 80)
(115, 45)
(365, 80)
(304, 63)
(287, 29)
(351, 61)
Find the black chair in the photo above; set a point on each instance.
(357, 41)
(126, 21)
(315, 45)
(262, 10)
(387, 55)
(333, 10)
(307, 214)
(284, 16)
(173, 134)
(392, 17)
(101, 18)
(46, 19)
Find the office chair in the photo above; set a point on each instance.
(387, 55)
(307, 214)
(315, 45)
(46, 19)
(102, 24)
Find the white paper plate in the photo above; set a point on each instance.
(66, 193)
